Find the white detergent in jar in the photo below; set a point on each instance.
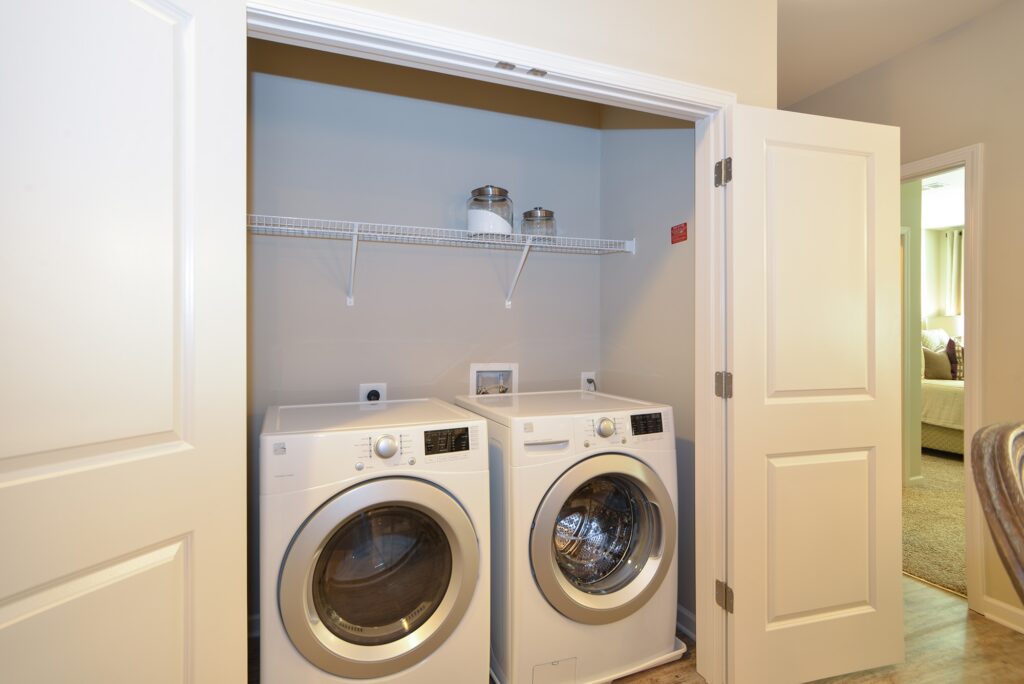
(483, 221)
(489, 211)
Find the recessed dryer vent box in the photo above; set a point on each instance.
(493, 378)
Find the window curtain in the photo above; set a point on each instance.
(955, 272)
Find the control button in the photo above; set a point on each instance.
(412, 461)
(386, 446)
(606, 427)
(586, 444)
(623, 440)
(359, 466)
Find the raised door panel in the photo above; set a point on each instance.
(818, 283)
(122, 280)
(97, 641)
(98, 266)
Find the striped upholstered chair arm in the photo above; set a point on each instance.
(997, 459)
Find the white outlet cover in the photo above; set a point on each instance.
(508, 372)
(584, 385)
(366, 387)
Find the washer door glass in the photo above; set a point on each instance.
(604, 534)
(382, 575)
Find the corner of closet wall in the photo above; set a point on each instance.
(647, 300)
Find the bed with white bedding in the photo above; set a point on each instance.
(942, 415)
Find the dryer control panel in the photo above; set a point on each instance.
(298, 461)
(417, 446)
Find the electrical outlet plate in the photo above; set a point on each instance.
(586, 386)
(366, 387)
(493, 378)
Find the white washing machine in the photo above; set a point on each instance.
(583, 501)
(374, 544)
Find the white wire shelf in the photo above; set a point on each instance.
(327, 229)
(286, 226)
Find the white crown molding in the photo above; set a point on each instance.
(361, 33)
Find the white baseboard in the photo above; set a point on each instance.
(1004, 613)
(686, 622)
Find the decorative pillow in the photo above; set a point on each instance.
(936, 365)
(935, 339)
(955, 352)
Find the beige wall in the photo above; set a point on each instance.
(959, 89)
(682, 40)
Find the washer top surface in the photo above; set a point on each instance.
(360, 415)
(503, 407)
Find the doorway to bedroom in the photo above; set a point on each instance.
(934, 529)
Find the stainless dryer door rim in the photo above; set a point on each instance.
(295, 588)
(610, 607)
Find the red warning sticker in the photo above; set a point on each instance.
(679, 233)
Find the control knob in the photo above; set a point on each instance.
(385, 446)
(606, 427)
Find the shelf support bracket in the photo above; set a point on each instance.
(350, 300)
(519, 270)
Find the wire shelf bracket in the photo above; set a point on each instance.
(350, 299)
(515, 278)
(357, 232)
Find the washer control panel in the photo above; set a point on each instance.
(623, 429)
(646, 423)
(602, 430)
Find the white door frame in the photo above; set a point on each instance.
(911, 362)
(382, 37)
(971, 158)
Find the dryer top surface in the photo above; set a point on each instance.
(502, 408)
(361, 415)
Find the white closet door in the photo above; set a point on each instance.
(122, 399)
(814, 524)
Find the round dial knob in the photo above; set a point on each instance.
(386, 446)
(606, 427)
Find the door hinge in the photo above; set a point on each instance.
(723, 595)
(723, 172)
(723, 384)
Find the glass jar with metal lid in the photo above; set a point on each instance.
(489, 211)
(538, 221)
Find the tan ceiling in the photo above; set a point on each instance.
(823, 42)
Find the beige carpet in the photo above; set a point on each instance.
(934, 543)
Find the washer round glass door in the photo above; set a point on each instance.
(378, 577)
(603, 539)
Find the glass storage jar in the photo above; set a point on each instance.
(489, 211)
(538, 221)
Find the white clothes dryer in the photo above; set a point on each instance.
(583, 501)
(374, 544)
